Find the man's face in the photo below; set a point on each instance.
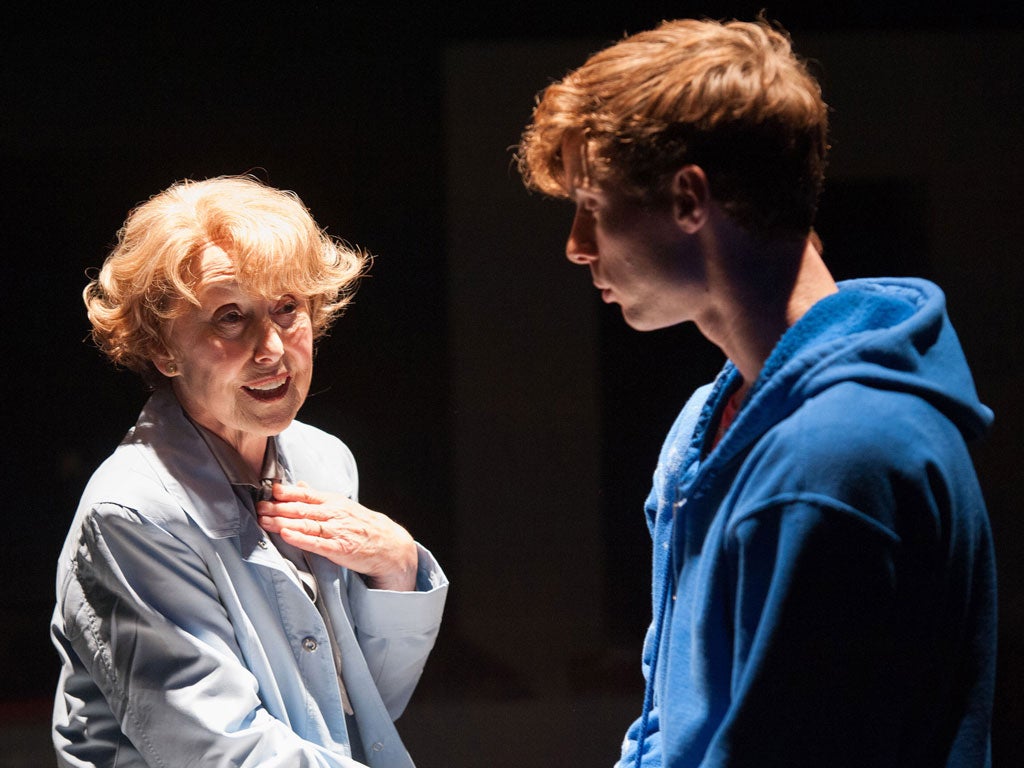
(639, 257)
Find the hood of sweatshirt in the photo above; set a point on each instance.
(886, 333)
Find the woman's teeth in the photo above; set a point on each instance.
(267, 391)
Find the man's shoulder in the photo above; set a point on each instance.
(851, 417)
(858, 445)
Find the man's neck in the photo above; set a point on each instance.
(757, 294)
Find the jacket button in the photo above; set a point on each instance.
(377, 746)
(309, 644)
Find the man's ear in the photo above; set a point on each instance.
(691, 198)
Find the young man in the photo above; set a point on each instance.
(824, 582)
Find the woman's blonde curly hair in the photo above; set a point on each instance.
(149, 277)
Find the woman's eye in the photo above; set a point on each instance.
(231, 317)
(288, 306)
(286, 311)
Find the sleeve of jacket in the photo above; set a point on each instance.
(396, 630)
(813, 648)
(141, 612)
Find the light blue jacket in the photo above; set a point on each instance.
(187, 639)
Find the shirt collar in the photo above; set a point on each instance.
(235, 468)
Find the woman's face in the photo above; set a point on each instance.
(239, 364)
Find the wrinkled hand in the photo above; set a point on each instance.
(345, 532)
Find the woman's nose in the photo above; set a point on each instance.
(581, 247)
(269, 346)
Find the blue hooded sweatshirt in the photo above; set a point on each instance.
(824, 580)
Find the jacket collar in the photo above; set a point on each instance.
(186, 466)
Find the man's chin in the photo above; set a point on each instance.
(646, 324)
(636, 321)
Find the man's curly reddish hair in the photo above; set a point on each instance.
(731, 97)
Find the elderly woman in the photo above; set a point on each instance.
(222, 599)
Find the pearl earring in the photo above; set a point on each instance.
(172, 367)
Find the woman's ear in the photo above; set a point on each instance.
(691, 198)
(165, 363)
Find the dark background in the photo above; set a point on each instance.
(344, 103)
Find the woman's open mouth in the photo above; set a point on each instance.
(271, 390)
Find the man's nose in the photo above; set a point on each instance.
(581, 247)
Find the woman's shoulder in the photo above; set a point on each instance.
(319, 458)
(128, 480)
(305, 438)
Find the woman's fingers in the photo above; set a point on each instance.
(344, 531)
